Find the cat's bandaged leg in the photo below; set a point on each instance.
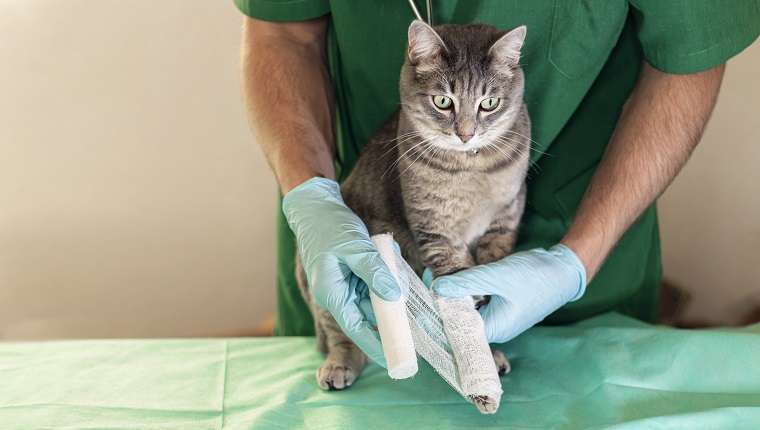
(447, 332)
(478, 375)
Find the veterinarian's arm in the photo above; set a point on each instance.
(660, 126)
(288, 97)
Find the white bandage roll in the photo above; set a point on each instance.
(392, 321)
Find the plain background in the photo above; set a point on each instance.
(134, 201)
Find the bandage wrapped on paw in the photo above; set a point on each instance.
(447, 332)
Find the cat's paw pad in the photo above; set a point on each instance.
(501, 362)
(334, 375)
(485, 404)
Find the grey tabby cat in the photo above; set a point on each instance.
(446, 173)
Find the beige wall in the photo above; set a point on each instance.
(710, 216)
(133, 201)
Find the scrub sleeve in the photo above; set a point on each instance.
(581, 62)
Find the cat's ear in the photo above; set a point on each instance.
(424, 42)
(506, 50)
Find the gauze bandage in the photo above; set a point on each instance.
(447, 332)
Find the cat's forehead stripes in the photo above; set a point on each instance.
(468, 84)
(468, 61)
(468, 74)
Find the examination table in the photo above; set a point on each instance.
(606, 372)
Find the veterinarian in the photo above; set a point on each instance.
(618, 92)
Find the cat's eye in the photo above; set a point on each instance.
(442, 102)
(489, 103)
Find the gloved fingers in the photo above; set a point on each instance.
(362, 300)
(365, 306)
(427, 277)
(350, 319)
(368, 340)
(493, 334)
(328, 279)
(456, 286)
(365, 262)
(336, 289)
(496, 317)
(475, 281)
(358, 286)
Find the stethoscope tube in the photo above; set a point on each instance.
(429, 4)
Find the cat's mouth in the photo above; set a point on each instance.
(456, 144)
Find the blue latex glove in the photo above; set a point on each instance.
(339, 259)
(524, 287)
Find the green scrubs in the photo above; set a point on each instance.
(581, 60)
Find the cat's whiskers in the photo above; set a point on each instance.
(516, 144)
(509, 142)
(436, 151)
(418, 157)
(406, 137)
(505, 141)
(431, 149)
(514, 148)
(525, 145)
(385, 142)
(495, 146)
(532, 141)
(398, 160)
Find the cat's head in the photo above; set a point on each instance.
(461, 86)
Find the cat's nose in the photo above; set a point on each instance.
(464, 137)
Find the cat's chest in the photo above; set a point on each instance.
(476, 225)
(464, 207)
(487, 201)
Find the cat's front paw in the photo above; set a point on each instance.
(335, 375)
(485, 404)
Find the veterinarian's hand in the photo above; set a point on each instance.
(340, 261)
(525, 288)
